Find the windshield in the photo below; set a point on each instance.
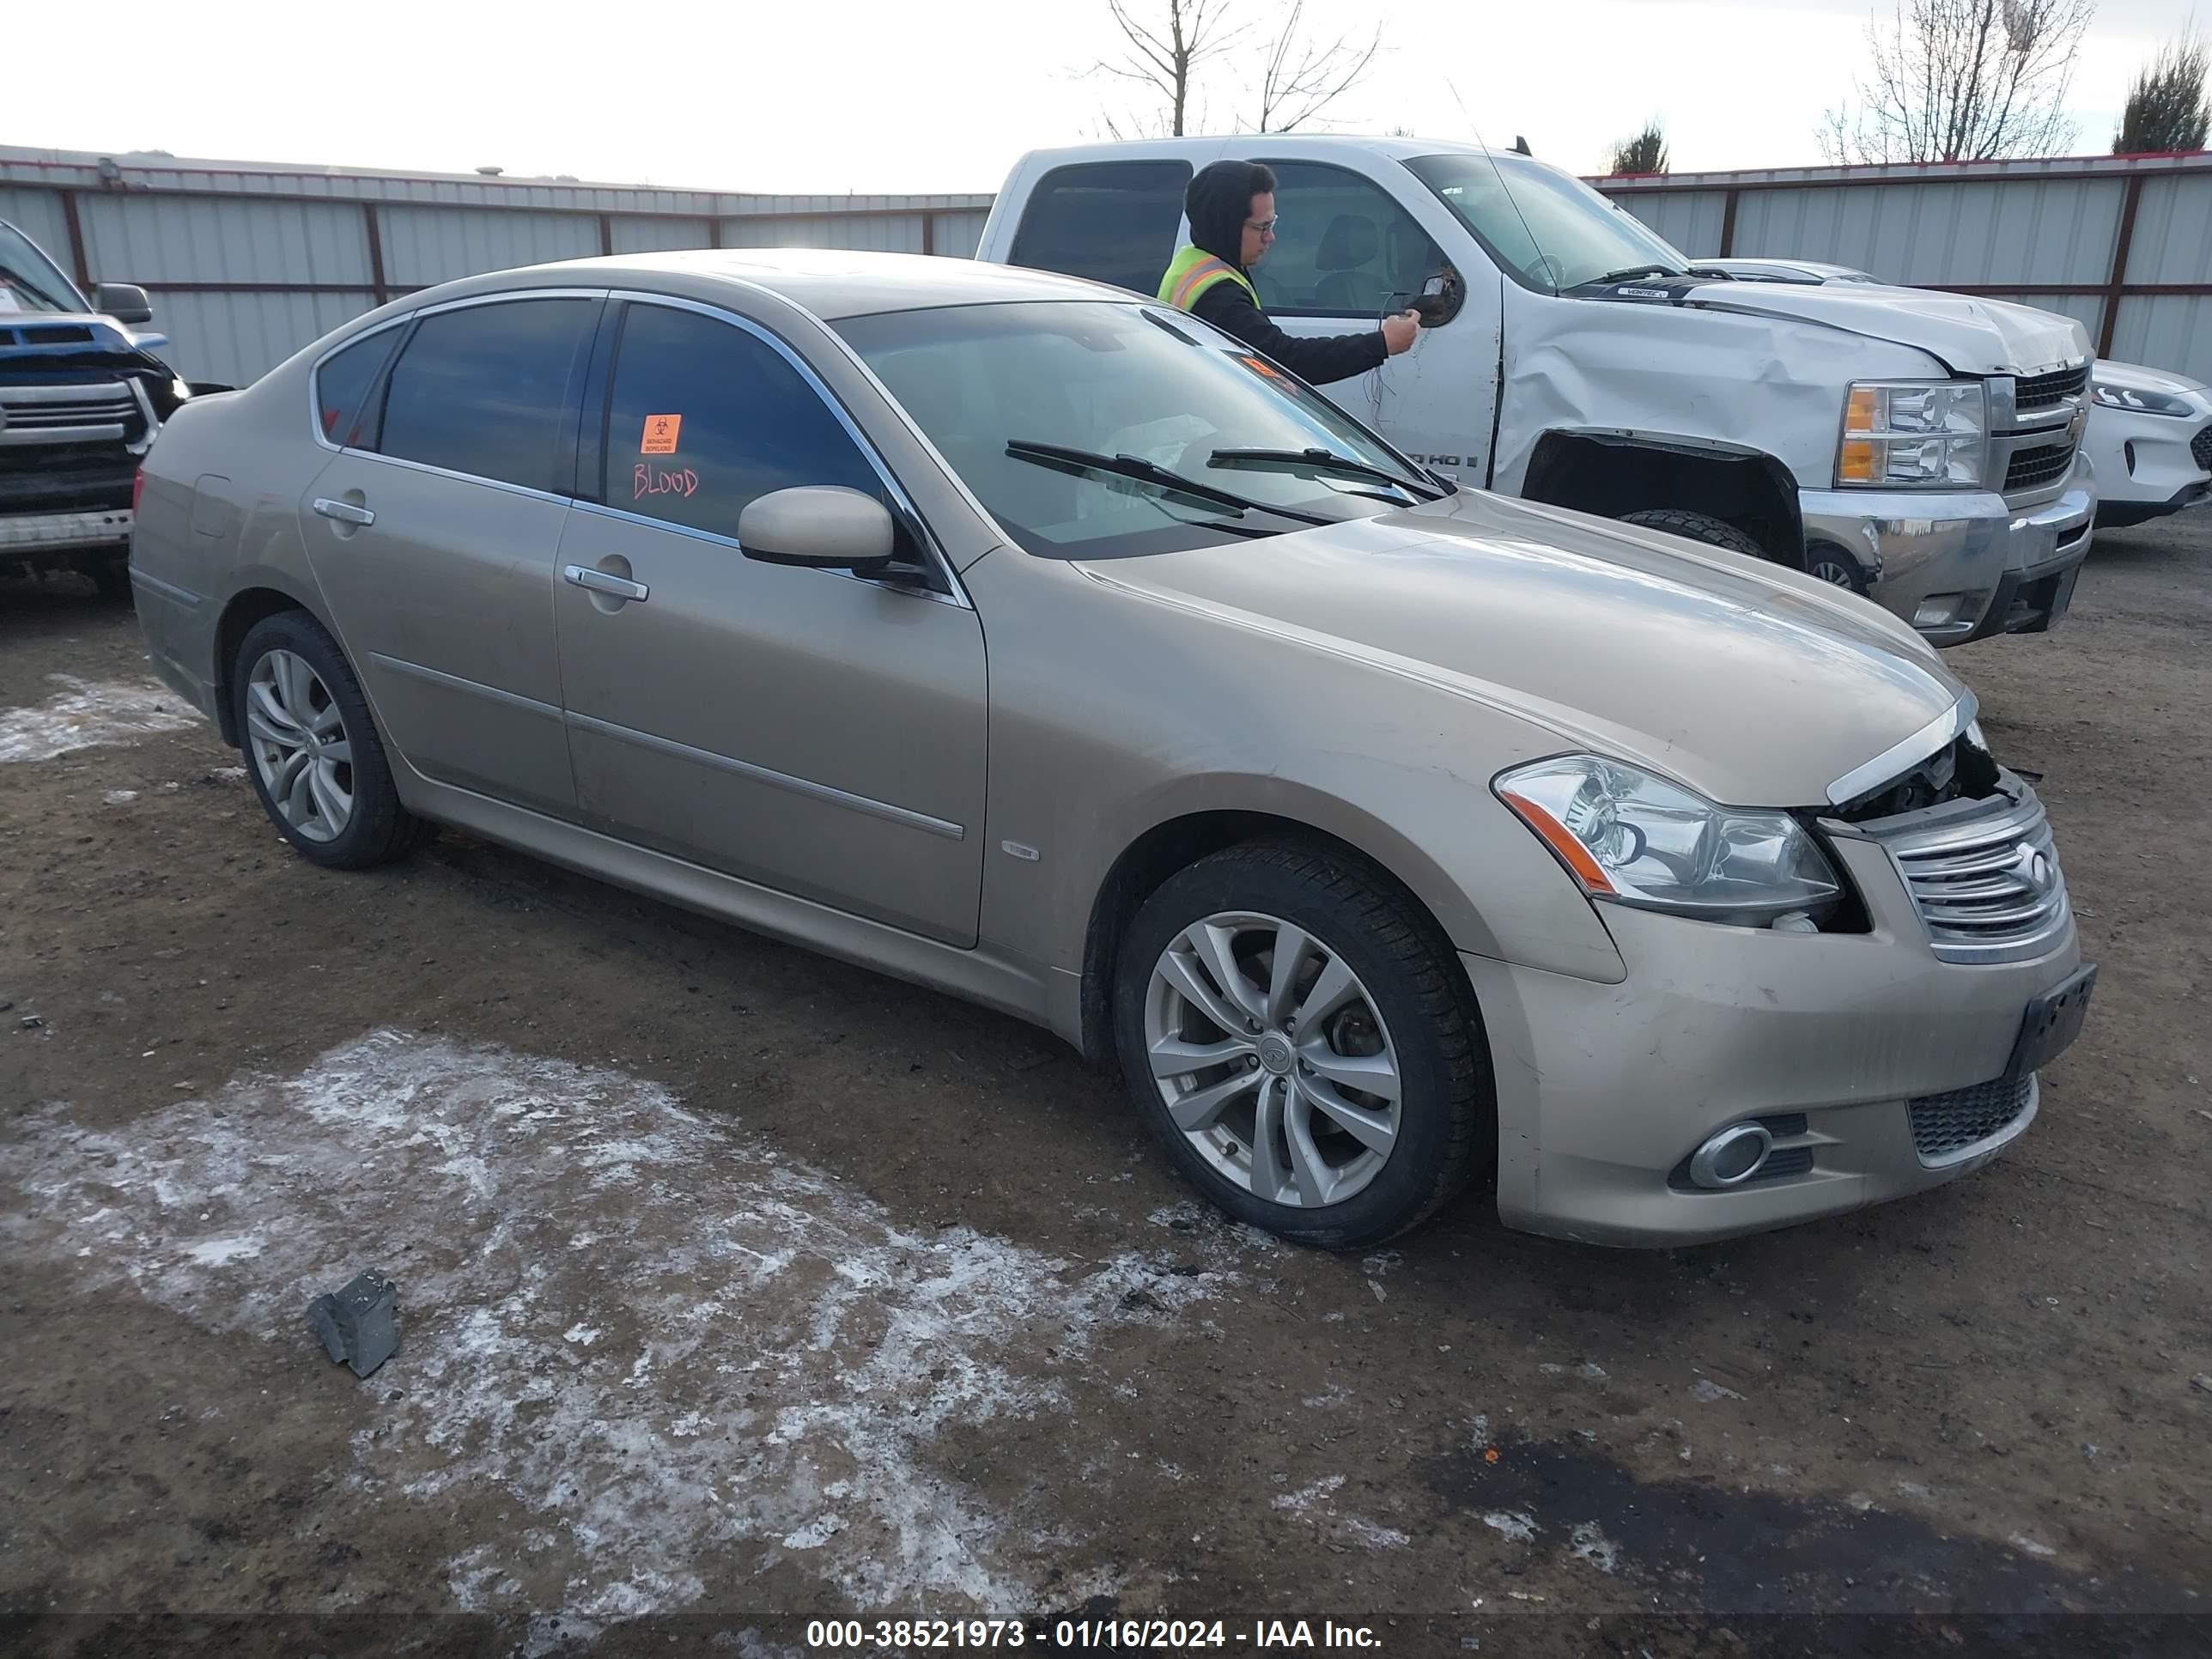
(1112, 380)
(1546, 230)
(28, 280)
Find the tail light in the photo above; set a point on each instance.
(138, 490)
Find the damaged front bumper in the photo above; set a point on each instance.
(1961, 566)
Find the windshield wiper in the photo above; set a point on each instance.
(1138, 468)
(1302, 461)
(1628, 272)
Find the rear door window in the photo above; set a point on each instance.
(487, 390)
(1344, 246)
(1112, 222)
(704, 417)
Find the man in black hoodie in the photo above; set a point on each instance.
(1231, 208)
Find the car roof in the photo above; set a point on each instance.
(830, 282)
(1259, 144)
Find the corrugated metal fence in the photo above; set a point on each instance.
(247, 264)
(2123, 243)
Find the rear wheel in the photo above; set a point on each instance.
(312, 750)
(1297, 1033)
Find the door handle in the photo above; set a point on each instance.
(599, 581)
(343, 512)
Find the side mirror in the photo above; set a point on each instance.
(124, 301)
(820, 527)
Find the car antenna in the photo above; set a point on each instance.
(1521, 148)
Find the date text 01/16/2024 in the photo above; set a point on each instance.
(1065, 1635)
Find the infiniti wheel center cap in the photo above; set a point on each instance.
(1275, 1054)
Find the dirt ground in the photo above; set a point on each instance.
(740, 1288)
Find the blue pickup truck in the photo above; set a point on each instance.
(83, 394)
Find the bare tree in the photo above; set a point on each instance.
(1163, 54)
(1645, 153)
(1964, 81)
(2167, 109)
(1301, 78)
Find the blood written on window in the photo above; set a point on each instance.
(706, 418)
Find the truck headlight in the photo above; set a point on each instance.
(1914, 434)
(1628, 835)
(2140, 402)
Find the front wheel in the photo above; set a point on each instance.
(1301, 1038)
(1698, 527)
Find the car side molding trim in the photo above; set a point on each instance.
(454, 682)
(807, 787)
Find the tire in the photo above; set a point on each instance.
(1699, 527)
(1411, 1025)
(289, 664)
(111, 580)
(1835, 567)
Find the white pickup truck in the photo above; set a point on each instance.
(1920, 447)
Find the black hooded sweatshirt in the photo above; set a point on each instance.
(1217, 201)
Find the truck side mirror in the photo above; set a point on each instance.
(126, 303)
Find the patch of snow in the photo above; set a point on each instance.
(1586, 1371)
(1594, 1547)
(747, 1352)
(1520, 1528)
(2021, 1541)
(1704, 1388)
(1299, 1502)
(91, 714)
(1375, 1537)
(120, 797)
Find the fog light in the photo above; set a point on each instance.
(1939, 609)
(1732, 1157)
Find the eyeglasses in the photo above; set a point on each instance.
(1266, 227)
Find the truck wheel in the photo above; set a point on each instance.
(1698, 527)
(1300, 1037)
(112, 582)
(312, 750)
(1835, 567)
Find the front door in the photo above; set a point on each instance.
(435, 533)
(807, 730)
(1346, 251)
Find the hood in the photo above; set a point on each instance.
(1968, 336)
(1752, 685)
(2138, 377)
(41, 340)
(1217, 202)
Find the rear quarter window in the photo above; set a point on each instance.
(342, 388)
(1112, 222)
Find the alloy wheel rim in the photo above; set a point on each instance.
(300, 745)
(1273, 1060)
(1831, 572)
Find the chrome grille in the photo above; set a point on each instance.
(1949, 1123)
(2029, 468)
(1988, 886)
(2200, 448)
(2041, 391)
(69, 414)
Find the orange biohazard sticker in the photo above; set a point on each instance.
(660, 432)
(1259, 367)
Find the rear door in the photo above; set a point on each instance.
(434, 531)
(807, 730)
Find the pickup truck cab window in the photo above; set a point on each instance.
(1113, 222)
(1344, 247)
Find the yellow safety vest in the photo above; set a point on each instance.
(1194, 271)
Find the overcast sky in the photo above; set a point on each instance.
(872, 95)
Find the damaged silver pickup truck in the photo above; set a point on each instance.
(1922, 449)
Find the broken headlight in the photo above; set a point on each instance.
(1629, 835)
(1914, 434)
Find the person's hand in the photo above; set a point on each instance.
(1398, 332)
